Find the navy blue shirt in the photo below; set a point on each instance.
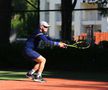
(34, 40)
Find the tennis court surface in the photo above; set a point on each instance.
(15, 80)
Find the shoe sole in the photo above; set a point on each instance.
(39, 81)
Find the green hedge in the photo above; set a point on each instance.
(92, 59)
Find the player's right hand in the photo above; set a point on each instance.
(63, 45)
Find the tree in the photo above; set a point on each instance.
(103, 7)
(5, 21)
(67, 8)
(27, 16)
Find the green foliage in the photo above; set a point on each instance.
(19, 4)
(24, 22)
(16, 22)
(32, 5)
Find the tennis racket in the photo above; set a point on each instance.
(79, 45)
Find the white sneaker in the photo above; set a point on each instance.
(39, 79)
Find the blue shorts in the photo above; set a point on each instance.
(31, 54)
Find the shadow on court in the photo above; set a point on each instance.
(56, 80)
(79, 76)
(86, 76)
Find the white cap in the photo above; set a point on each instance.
(44, 23)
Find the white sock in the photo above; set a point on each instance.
(32, 71)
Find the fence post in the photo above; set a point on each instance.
(90, 36)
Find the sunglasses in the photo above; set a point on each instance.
(45, 26)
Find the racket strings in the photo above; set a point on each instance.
(80, 45)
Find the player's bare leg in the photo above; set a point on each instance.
(31, 72)
(41, 61)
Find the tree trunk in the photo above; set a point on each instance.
(5, 21)
(67, 8)
(66, 19)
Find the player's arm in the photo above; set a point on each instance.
(51, 42)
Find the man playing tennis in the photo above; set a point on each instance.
(31, 45)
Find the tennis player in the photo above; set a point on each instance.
(31, 47)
